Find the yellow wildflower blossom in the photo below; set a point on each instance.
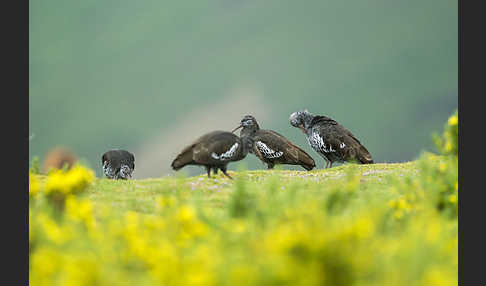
(437, 277)
(186, 214)
(453, 120)
(80, 210)
(52, 230)
(453, 199)
(67, 182)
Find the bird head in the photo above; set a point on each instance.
(301, 119)
(125, 172)
(248, 122)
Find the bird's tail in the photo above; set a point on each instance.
(364, 156)
(184, 158)
(306, 161)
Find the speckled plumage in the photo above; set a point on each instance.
(271, 147)
(118, 164)
(330, 139)
(214, 150)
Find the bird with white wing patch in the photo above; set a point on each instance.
(118, 164)
(330, 139)
(272, 148)
(214, 150)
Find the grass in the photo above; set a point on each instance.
(140, 195)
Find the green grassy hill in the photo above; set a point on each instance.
(140, 195)
(117, 74)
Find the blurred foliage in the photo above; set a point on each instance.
(34, 165)
(447, 144)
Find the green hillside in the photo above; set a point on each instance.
(117, 74)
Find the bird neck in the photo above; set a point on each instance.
(249, 130)
(247, 140)
(307, 119)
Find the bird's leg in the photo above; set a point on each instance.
(270, 166)
(331, 165)
(224, 172)
(215, 170)
(327, 163)
(208, 169)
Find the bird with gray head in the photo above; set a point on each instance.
(271, 147)
(330, 139)
(118, 164)
(214, 150)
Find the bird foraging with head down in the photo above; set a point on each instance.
(271, 147)
(118, 164)
(330, 139)
(214, 150)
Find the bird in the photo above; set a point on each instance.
(59, 158)
(213, 150)
(330, 139)
(271, 147)
(118, 164)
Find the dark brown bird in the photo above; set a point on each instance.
(272, 148)
(214, 150)
(330, 139)
(118, 164)
(58, 158)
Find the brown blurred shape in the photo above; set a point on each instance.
(57, 157)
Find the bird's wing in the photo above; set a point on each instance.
(289, 145)
(215, 152)
(270, 144)
(339, 145)
(344, 143)
(291, 152)
(359, 151)
(331, 140)
(257, 152)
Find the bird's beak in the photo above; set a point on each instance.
(303, 129)
(236, 128)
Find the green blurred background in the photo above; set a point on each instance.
(151, 76)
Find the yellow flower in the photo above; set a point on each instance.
(438, 277)
(80, 270)
(45, 262)
(80, 210)
(68, 182)
(453, 120)
(53, 231)
(186, 214)
(364, 227)
(453, 199)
